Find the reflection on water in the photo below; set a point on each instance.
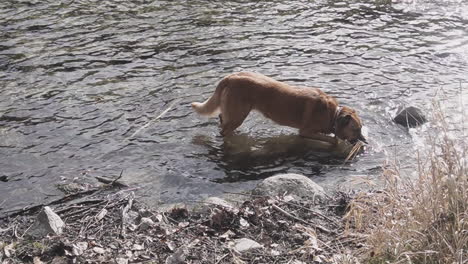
(246, 158)
(79, 78)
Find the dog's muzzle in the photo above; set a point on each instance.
(362, 138)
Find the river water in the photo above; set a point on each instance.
(82, 81)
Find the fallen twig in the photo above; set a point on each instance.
(312, 211)
(112, 182)
(124, 214)
(152, 120)
(323, 229)
(35, 208)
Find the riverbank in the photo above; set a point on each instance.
(419, 218)
(114, 227)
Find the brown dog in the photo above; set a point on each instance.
(310, 110)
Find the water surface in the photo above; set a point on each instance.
(79, 78)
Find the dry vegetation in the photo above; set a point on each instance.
(422, 220)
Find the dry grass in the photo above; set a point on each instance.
(422, 220)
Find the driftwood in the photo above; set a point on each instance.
(112, 182)
(69, 198)
(316, 226)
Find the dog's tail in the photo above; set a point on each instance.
(211, 107)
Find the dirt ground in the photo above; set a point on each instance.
(112, 226)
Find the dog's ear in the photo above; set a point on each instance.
(343, 120)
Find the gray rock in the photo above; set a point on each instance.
(178, 257)
(410, 117)
(244, 245)
(208, 204)
(47, 222)
(146, 223)
(296, 185)
(99, 250)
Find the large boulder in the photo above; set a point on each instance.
(296, 185)
(409, 117)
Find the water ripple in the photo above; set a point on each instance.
(78, 78)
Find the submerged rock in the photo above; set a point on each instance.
(297, 185)
(410, 117)
(47, 222)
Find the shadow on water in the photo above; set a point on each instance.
(244, 158)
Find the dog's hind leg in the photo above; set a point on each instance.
(232, 117)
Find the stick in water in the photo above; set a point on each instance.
(154, 119)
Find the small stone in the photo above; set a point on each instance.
(47, 222)
(99, 250)
(144, 212)
(295, 185)
(274, 252)
(244, 223)
(244, 245)
(171, 245)
(37, 260)
(138, 247)
(121, 261)
(79, 248)
(146, 223)
(178, 257)
(409, 117)
(9, 249)
(297, 262)
(227, 235)
(183, 224)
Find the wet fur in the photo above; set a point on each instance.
(310, 110)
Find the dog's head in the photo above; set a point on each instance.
(348, 125)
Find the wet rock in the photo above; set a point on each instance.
(244, 245)
(410, 117)
(296, 185)
(47, 222)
